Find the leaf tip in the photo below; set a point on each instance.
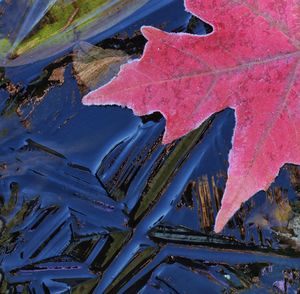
(219, 224)
(88, 99)
(165, 140)
(150, 32)
(226, 212)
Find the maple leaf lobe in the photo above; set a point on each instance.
(249, 63)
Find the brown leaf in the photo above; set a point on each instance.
(94, 66)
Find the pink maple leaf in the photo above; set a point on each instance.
(249, 63)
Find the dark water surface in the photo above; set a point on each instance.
(92, 202)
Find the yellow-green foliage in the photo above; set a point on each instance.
(57, 21)
(5, 45)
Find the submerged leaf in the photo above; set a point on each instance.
(94, 65)
(44, 28)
